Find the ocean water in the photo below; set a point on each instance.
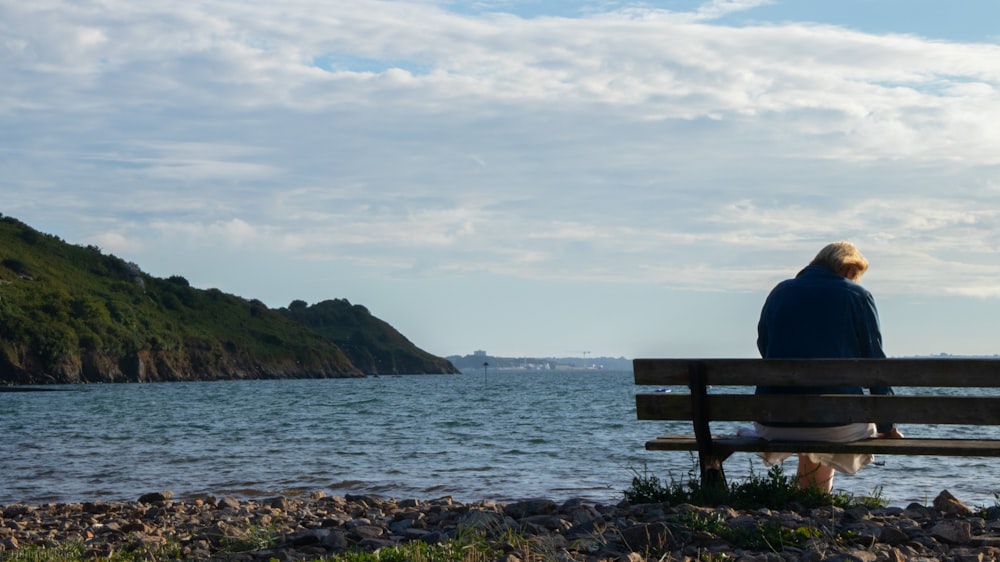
(499, 435)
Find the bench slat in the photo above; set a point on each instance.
(942, 447)
(931, 372)
(826, 408)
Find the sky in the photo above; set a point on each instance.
(523, 177)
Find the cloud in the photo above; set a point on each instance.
(116, 243)
(716, 9)
(407, 138)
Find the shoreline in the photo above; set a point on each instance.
(319, 525)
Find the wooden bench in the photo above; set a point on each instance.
(715, 396)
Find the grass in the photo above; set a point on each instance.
(773, 490)
(469, 545)
(768, 536)
(256, 537)
(986, 512)
(453, 551)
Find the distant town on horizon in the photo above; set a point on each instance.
(480, 359)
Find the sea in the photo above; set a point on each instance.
(492, 435)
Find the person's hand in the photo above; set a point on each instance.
(893, 433)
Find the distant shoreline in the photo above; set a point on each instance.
(32, 389)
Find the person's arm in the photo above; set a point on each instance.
(762, 338)
(872, 347)
(885, 429)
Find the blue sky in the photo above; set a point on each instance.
(523, 177)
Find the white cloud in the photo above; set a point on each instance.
(718, 8)
(406, 140)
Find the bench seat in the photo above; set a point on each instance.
(735, 444)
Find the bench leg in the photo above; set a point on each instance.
(712, 475)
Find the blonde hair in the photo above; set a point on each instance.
(844, 258)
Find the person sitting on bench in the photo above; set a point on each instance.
(822, 313)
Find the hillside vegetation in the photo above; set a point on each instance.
(370, 344)
(71, 314)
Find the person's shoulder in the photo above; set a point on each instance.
(783, 285)
(858, 288)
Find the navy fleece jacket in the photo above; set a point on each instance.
(820, 315)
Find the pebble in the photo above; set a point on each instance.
(312, 527)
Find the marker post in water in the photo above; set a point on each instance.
(485, 365)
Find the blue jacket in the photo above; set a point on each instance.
(819, 315)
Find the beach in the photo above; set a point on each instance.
(318, 525)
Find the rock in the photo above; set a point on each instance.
(655, 537)
(745, 522)
(528, 508)
(853, 556)
(917, 512)
(155, 497)
(305, 539)
(968, 555)
(335, 540)
(103, 507)
(892, 535)
(279, 502)
(950, 505)
(485, 520)
(98, 552)
(368, 531)
(952, 531)
(9, 543)
(855, 514)
(228, 502)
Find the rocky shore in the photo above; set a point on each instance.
(312, 528)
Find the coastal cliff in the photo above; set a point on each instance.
(72, 314)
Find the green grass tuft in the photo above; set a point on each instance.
(773, 490)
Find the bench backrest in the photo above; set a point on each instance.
(703, 375)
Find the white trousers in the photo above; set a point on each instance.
(848, 463)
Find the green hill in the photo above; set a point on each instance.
(71, 314)
(371, 344)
